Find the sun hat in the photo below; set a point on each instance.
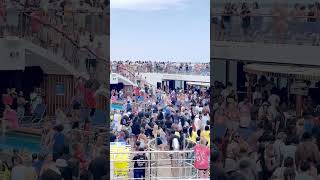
(265, 104)
(61, 163)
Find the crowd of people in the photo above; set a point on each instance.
(173, 120)
(256, 21)
(71, 147)
(72, 29)
(91, 16)
(16, 106)
(261, 136)
(161, 67)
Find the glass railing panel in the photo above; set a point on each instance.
(268, 26)
(66, 34)
(169, 68)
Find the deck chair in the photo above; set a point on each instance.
(39, 113)
(99, 120)
(37, 116)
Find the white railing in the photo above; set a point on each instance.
(265, 28)
(161, 165)
(171, 68)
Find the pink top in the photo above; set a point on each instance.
(244, 109)
(232, 113)
(35, 24)
(137, 91)
(89, 98)
(113, 98)
(2, 11)
(7, 99)
(80, 87)
(11, 116)
(202, 157)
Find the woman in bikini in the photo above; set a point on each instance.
(142, 138)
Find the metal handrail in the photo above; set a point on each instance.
(170, 69)
(154, 170)
(153, 145)
(130, 75)
(267, 28)
(44, 42)
(262, 15)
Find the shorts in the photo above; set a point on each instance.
(139, 173)
(76, 106)
(159, 141)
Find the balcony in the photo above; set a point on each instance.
(266, 38)
(201, 69)
(65, 42)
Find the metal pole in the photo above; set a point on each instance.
(149, 166)
(183, 163)
(156, 145)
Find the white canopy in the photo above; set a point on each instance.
(116, 78)
(290, 71)
(199, 83)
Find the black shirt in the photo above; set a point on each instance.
(66, 173)
(168, 123)
(98, 167)
(140, 161)
(51, 175)
(113, 138)
(218, 174)
(227, 16)
(136, 128)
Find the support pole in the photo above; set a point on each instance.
(249, 87)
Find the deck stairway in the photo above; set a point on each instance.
(68, 54)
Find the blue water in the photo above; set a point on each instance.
(116, 107)
(12, 141)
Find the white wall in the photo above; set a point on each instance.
(275, 53)
(11, 63)
(153, 78)
(33, 55)
(233, 73)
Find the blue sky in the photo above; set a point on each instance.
(176, 30)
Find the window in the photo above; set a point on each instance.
(59, 89)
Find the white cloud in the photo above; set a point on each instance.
(147, 5)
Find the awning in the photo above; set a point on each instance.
(287, 71)
(199, 84)
(116, 78)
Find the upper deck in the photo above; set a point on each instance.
(269, 32)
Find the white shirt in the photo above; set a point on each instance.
(116, 120)
(278, 146)
(175, 144)
(272, 113)
(197, 123)
(205, 119)
(18, 172)
(256, 95)
(44, 4)
(225, 93)
(288, 151)
(303, 176)
(274, 99)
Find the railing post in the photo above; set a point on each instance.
(149, 165)
(183, 162)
